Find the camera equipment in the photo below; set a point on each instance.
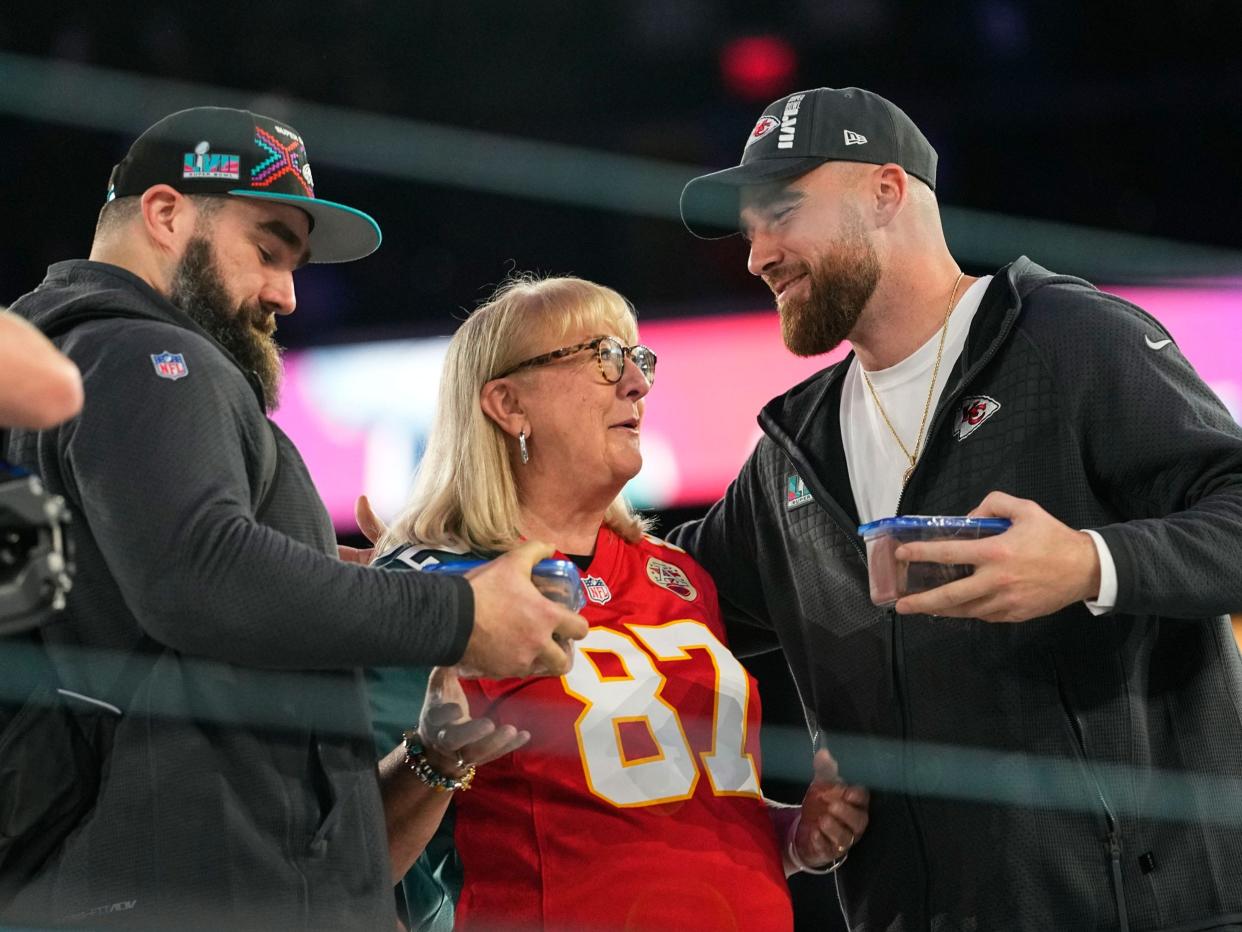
(35, 563)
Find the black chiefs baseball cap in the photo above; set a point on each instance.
(801, 132)
(217, 150)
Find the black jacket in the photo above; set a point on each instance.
(240, 792)
(1070, 772)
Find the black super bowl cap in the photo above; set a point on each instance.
(801, 132)
(217, 150)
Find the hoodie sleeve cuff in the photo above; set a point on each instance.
(465, 621)
(1106, 601)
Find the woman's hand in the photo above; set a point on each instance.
(834, 816)
(373, 528)
(452, 740)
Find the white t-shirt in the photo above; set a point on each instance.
(875, 461)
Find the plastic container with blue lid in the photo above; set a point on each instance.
(890, 579)
(559, 580)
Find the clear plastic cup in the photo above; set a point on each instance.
(890, 579)
(559, 580)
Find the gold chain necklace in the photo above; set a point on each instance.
(918, 442)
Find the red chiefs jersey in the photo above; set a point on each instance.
(636, 804)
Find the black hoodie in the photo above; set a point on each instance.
(1069, 772)
(239, 793)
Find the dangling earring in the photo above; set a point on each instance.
(522, 447)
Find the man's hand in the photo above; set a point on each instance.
(450, 735)
(1033, 569)
(834, 815)
(39, 386)
(372, 526)
(517, 630)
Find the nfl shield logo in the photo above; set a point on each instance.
(597, 590)
(169, 365)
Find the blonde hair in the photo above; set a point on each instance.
(465, 493)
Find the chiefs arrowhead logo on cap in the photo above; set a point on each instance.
(765, 125)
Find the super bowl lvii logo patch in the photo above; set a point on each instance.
(203, 163)
(670, 577)
(796, 493)
(169, 365)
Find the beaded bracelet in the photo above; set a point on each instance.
(416, 760)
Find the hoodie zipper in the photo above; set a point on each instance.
(837, 514)
(1112, 839)
(834, 510)
(898, 641)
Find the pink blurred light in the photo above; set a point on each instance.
(715, 374)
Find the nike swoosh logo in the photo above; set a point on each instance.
(1156, 345)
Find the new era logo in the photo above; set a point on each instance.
(854, 139)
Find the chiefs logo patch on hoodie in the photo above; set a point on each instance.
(974, 411)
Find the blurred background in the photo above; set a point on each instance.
(1101, 139)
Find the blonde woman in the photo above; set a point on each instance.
(627, 792)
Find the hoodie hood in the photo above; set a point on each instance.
(79, 290)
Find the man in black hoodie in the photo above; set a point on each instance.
(238, 788)
(1077, 769)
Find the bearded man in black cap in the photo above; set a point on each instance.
(212, 780)
(1079, 767)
